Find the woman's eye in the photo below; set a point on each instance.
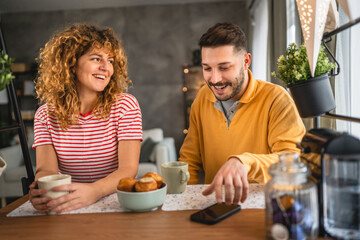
(207, 69)
(111, 61)
(96, 59)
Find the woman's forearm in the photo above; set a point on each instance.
(108, 184)
(41, 173)
(46, 161)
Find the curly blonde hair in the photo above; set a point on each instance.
(56, 81)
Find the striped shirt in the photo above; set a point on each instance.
(88, 150)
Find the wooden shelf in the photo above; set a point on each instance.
(193, 80)
(19, 67)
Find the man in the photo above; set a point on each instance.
(238, 125)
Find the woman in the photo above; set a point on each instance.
(87, 128)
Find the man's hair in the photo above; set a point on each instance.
(224, 34)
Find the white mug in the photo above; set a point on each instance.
(51, 181)
(176, 175)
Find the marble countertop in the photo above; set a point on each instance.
(191, 199)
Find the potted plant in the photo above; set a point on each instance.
(5, 70)
(5, 78)
(313, 96)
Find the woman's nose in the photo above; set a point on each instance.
(104, 65)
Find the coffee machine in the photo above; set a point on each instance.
(334, 161)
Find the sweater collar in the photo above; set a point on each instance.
(248, 95)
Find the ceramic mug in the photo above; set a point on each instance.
(176, 176)
(48, 182)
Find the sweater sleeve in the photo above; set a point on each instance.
(285, 130)
(190, 150)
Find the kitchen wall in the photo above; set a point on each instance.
(158, 40)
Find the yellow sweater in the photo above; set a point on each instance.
(266, 124)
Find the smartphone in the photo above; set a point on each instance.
(215, 213)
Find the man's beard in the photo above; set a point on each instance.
(236, 87)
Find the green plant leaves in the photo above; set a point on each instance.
(294, 66)
(5, 70)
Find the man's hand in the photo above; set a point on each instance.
(232, 174)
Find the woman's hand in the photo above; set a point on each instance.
(81, 195)
(38, 202)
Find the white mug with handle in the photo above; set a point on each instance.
(176, 176)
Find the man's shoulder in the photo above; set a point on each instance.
(273, 94)
(205, 93)
(269, 87)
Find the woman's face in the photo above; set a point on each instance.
(93, 71)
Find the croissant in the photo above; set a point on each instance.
(126, 184)
(145, 184)
(156, 177)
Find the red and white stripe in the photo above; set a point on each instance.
(88, 150)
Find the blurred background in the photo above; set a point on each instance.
(159, 38)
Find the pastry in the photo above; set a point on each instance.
(145, 184)
(126, 184)
(156, 177)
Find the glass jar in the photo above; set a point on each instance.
(291, 201)
(342, 195)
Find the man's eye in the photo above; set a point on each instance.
(224, 69)
(95, 59)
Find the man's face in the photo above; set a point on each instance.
(225, 71)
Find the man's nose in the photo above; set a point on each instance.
(215, 77)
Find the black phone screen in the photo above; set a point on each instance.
(214, 213)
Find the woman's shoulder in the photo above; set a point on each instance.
(125, 96)
(127, 99)
(43, 109)
(43, 112)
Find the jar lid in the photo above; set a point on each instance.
(279, 232)
(288, 163)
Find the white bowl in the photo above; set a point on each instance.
(142, 201)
